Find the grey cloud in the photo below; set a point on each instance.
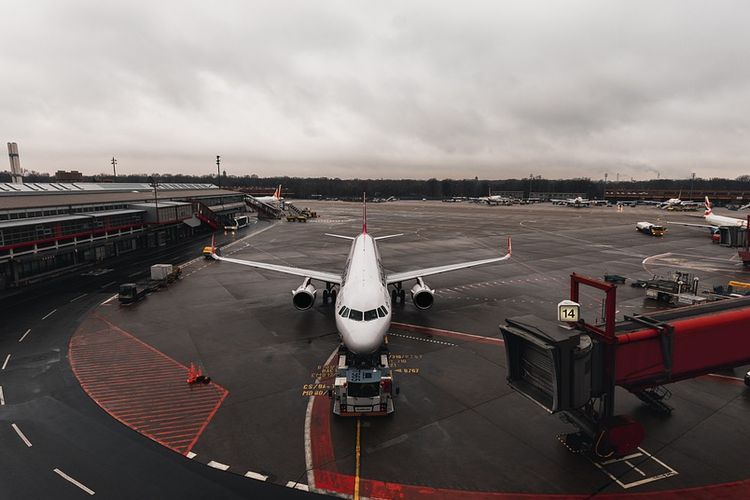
(416, 89)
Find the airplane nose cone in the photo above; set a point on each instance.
(361, 339)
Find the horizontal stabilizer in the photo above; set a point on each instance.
(340, 236)
(388, 236)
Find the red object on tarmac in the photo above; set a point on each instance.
(193, 374)
(622, 434)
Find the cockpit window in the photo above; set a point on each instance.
(380, 312)
(355, 315)
(344, 312)
(371, 315)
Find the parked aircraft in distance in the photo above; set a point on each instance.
(274, 198)
(714, 221)
(363, 312)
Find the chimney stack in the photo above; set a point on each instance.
(15, 164)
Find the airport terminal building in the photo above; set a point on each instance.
(50, 228)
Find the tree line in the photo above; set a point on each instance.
(327, 187)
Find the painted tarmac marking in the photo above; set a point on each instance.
(421, 339)
(109, 300)
(308, 434)
(357, 463)
(53, 311)
(108, 284)
(218, 465)
(71, 480)
(297, 486)
(79, 297)
(255, 475)
(643, 453)
(2, 396)
(191, 455)
(24, 335)
(7, 358)
(21, 435)
(135, 274)
(725, 376)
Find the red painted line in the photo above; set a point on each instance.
(141, 387)
(327, 479)
(208, 419)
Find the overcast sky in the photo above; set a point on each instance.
(494, 89)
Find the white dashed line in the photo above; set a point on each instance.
(2, 396)
(421, 339)
(21, 435)
(191, 455)
(131, 275)
(255, 475)
(109, 300)
(79, 297)
(71, 480)
(7, 358)
(24, 335)
(49, 314)
(108, 284)
(218, 465)
(297, 486)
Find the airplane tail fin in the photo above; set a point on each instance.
(708, 211)
(364, 213)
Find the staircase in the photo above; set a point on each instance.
(264, 210)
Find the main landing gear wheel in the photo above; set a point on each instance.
(332, 294)
(394, 296)
(402, 295)
(325, 296)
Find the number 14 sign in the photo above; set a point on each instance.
(568, 311)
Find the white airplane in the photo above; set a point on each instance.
(715, 221)
(274, 198)
(493, 199)
(363, 313)
(577, 202)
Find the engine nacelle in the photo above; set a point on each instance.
(303, 297)
(422, 295)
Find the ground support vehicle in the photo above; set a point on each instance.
(363, 385)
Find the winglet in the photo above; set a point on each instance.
(510, 246)
(364, 213)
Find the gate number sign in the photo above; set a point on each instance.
(568, 311)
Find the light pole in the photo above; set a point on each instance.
(531, 178)
(114, 167)
(604, 193)
(154, 182)
(218, 169)
(692, 179)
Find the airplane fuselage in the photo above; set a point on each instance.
(363, 306)
(722, 220)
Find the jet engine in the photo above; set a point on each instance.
(303, 297)
(422, 295)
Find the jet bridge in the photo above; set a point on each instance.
(573, 369)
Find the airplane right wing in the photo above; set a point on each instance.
(420, 273)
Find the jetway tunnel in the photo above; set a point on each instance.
(573, 369)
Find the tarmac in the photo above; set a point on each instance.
(459, 431)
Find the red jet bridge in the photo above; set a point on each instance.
(574, 371)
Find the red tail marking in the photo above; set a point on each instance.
(364, 213)
(510, 246)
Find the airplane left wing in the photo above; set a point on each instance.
(296, 271)
(420, 273)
